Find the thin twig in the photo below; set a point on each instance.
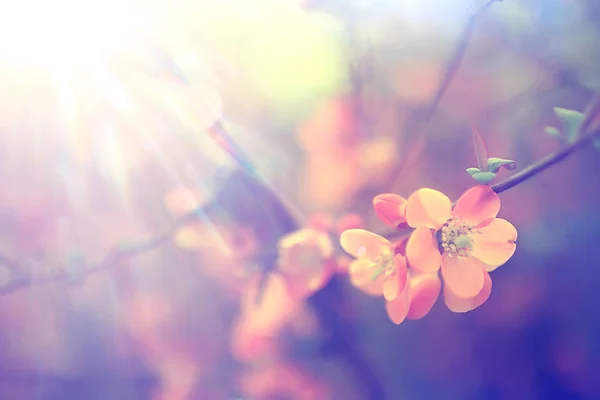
(546, 162)
(112, 258)
(456, 59)
(416, 123)
(585, 138)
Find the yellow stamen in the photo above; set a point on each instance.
(456, 238)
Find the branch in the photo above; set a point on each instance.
(414, 126)
(456, 59)
(546, 162)
(61, 275)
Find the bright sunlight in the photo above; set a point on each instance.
(43, 32)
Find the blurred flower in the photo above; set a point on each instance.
(267, 305)
(220, 243)
(282, 380)
(376, 157)
(332, 127)
(467, 241)
(329, 180)
(249, 345)
(305, 261)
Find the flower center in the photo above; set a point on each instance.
(456, 237)
(384, 264)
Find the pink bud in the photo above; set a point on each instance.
(390, 208)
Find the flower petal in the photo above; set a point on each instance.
(459, 305)
(390, 208)
(428, 207)
(422, 250)
(398, 308)
(463, 275)
(424, 291)
(361, 277)
(496, 243)
(363, 244)
(396, 283)
(477, 204)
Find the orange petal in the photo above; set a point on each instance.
(396, 283)
(363, 244)
(361, 276)
(398, 308)
(390, 208)
(424, 291)
(495, 245)
(459, 305)
(477, 204)
(463, 275)
(428, 207)
(422, 250)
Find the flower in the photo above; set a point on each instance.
(305, 261)
(467, 241)
(380, 268)
(391, 209)
(377, 269)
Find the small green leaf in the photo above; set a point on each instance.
(481, 150)
(572, 120)
(473, 171)
(484, 177)
(494, 164)
(552, 131)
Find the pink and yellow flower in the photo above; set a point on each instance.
(377, 269)
(306, 261)
(380, 268)
(466, 242)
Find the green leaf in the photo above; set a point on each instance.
(473, 171)
(494, 164)
(484, 177)
(571, 120)
(552, 131)
(481, 150)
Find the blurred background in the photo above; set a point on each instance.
(109, 113)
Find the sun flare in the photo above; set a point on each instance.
(44, 32)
